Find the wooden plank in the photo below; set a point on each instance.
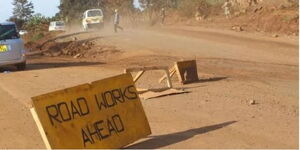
(141, 71)
(145, 68)
(172, 72)
(169, 82)
(187, 71)
(180, 77)
(172, 69)
(141, 91)
(138, 76)
(40, 127)
(152, 94)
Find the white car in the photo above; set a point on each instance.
(92, 18)
(12, 51)
(57, 26)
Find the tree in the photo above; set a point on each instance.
(158, 4)
(152, 8)
(23, 9)
(37, 23)
(17, 21)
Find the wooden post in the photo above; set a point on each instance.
(172, 72)
(40, 128)
(169, 82)
(142, 70)
(138, 76)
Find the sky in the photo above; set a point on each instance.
(47, 8)
(136, 4)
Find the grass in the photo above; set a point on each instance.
(37, 37)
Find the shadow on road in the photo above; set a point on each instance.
(49, 65)
(160, 141)
(203, 80)
(213, 79)
(37, 66)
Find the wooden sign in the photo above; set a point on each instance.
(105, 114)
(187, 71)
(142, 70)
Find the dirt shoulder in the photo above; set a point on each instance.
(265, 18)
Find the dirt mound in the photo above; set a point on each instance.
(34, 42)
(272, 20)
(280, 19)
(77, 49)
(54, 44)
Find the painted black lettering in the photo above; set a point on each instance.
(60, 107)
(86, 138)
(92, 133)
(110, 127)
(74, 110)
(101, 104)
(53, 116)
(83, 110)
(118, 123)
(99, 129)
(130, 93)
(106, 96)
(117, 94)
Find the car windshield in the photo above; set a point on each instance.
(8, 32)
(94, 13)
(60, 24)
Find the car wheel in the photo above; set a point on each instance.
(21, 66)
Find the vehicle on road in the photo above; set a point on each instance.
(92, 19)
(12, 51)
(57, 26)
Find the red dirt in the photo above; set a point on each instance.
(260, 18)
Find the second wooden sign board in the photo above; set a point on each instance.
(187, 71)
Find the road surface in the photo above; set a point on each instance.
(234, 69)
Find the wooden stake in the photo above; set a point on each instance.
(172, 72)
(40, 128)
(138, 76)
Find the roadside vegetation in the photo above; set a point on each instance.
(267, 16)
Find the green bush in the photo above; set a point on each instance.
(36, 23)
(187, 8)
(37, 37)
(39, 23)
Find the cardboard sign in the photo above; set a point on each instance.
(187, 71)
(104, 114)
